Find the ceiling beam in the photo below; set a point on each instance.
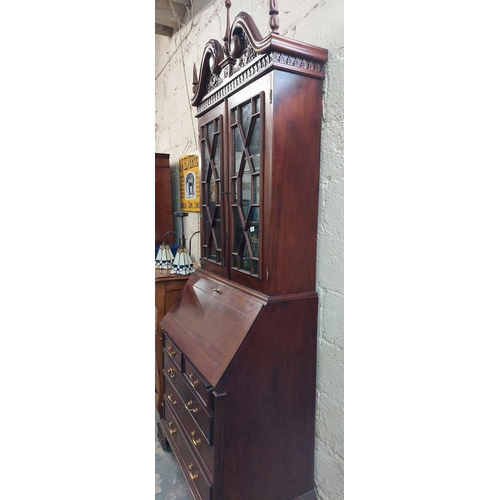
(168, 15)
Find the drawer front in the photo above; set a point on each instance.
(197, 410)
(199, 415)
(198, 384)
(195, 476)
(171, 370)
(172, 350)
(197, 440)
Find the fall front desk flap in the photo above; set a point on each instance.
(208, 322)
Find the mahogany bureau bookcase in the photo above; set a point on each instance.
(239, 342)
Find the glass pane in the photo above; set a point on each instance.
(257, 103)
(253, 232)
(217, 227)
(212, 250)
(238, 151)
(235, 190)
(237, 230)
(216, 157)
(233, 116)
(210, 132)
(256, 163)
(207, 228)
(256, 189)
(246, 115)
(245, 261)
(254, 145)
(255, 267)
(205, 159)
(212, 195)
(246, 180)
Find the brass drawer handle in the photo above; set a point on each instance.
(216, 290)
(171, 428)
(191, 475)
(170, 397)
(193, 383)
(171, 371)
(171, 351)
(188, 404)
(196, 442)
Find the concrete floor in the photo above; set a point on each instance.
(169, 481)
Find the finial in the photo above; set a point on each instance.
(274, 22)
(195, 79)
(228, 23)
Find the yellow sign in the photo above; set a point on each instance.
(189, 173)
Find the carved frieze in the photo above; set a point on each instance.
(256, 66)
(214, 82)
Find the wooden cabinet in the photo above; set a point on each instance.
(167, 287)
(259, 207)
(239, 343)
(163, 198)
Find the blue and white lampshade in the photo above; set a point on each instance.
(182, 263)
(164, 257)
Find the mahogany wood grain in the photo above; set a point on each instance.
(270, 405)
(208, 330)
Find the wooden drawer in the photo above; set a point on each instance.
(199, 384)
(196, 478)
(197, 440)
(171, 370)
(190, 400)
(172, 350)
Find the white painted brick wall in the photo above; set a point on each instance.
(319, 22)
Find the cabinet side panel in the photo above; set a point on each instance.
(270, 406)
(295, 186)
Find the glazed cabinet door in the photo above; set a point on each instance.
(246, 168)
(213, 231)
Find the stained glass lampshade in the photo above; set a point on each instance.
(165, 257)
(182, 263)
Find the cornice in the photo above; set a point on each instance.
(247, 54)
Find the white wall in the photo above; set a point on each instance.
(319, 23)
